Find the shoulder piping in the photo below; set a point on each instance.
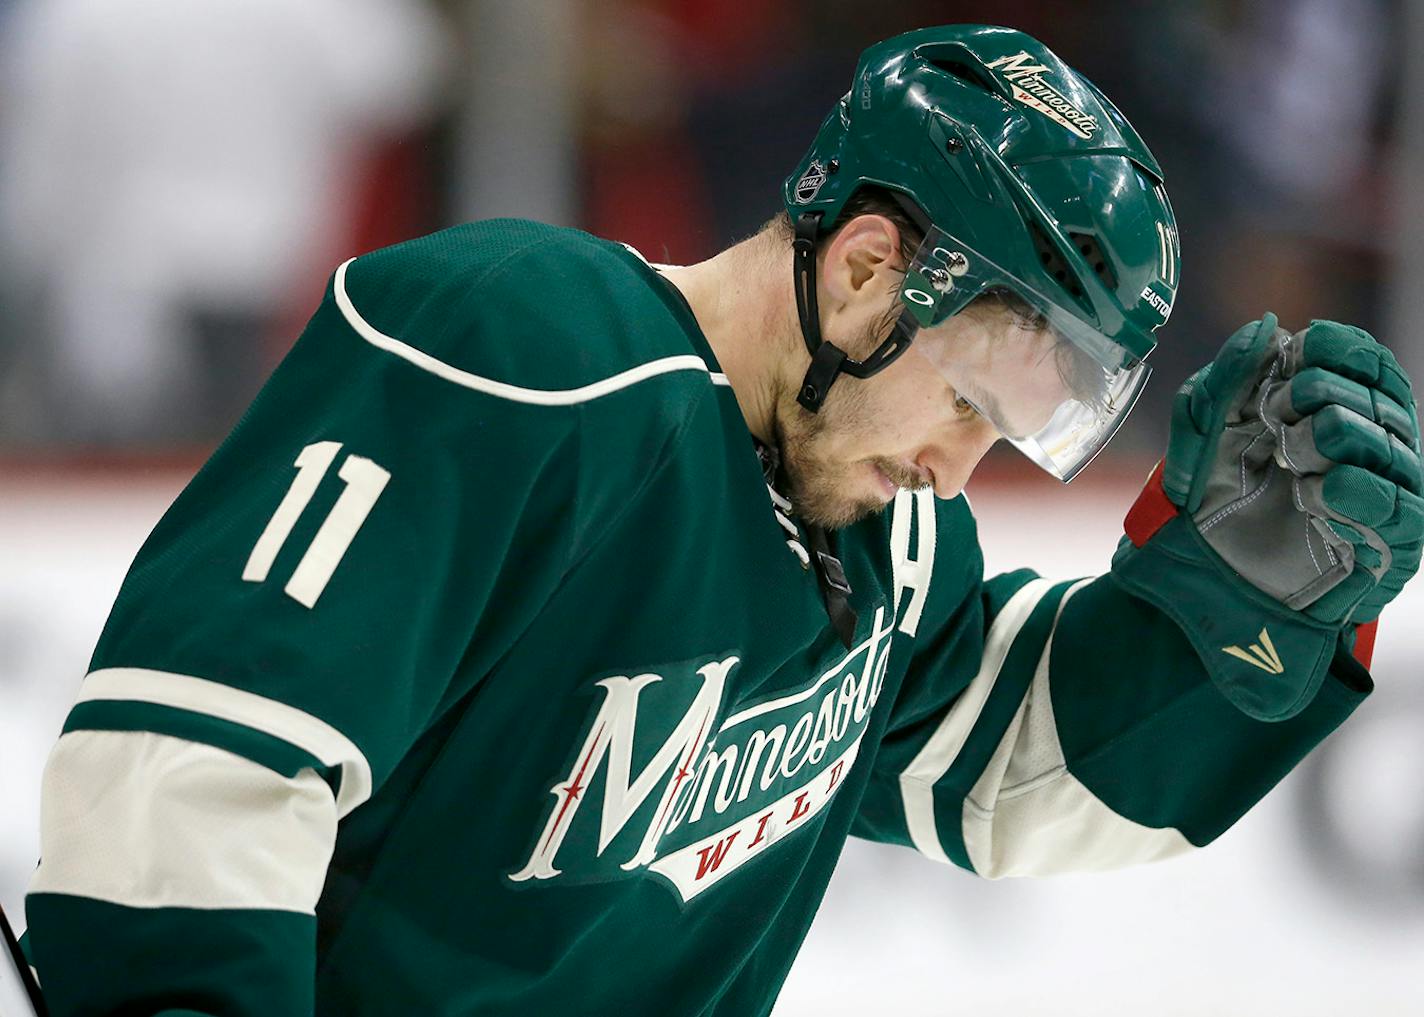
(503, 390)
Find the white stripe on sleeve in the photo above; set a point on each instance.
(149, 821)
(939, 752)
(1028, 816)
(198, 695)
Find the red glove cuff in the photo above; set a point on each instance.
(1151, 511)
(1365, 643)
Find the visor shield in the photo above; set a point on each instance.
(1078, 431)
(1049, 381)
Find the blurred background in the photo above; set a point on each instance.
(177, 181)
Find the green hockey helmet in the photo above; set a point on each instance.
(1025, 179)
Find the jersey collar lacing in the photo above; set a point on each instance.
(830, 574)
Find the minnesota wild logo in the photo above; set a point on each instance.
(716, 790)
(1025, 80)
(676, 776)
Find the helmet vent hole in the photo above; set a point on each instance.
(1093, 254)
(1055, 264)
(964, 72)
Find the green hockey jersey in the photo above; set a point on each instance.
(480, 672)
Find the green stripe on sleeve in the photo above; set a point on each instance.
(264, 749)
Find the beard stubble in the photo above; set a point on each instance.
(819, 481)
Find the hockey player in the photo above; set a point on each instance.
(536, 640)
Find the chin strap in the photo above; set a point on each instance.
(826, 358)
(829, 361)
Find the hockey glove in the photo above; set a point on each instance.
(1288, 507)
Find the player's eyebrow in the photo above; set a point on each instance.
(988, 407)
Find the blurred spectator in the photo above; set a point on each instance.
(169, 169)
(643, 181)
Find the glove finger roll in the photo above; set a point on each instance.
(1315, 388)
(1353, 353)
(1405, 527)
(1239, 361)
(1229, 376)
(1299, 450)
(1185, 450)
(1364, 554)
(1207, 400)
(1357, 498)
(1343, 436)
(1353, 495)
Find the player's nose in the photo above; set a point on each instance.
(952, 461)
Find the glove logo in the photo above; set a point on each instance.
(1262, 654)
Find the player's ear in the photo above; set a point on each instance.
(859, 262)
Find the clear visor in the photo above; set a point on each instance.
(1051, 383)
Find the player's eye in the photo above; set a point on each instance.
(964, 407)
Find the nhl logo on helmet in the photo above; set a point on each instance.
(810, 183)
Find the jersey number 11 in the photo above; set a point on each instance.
(364, 483)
